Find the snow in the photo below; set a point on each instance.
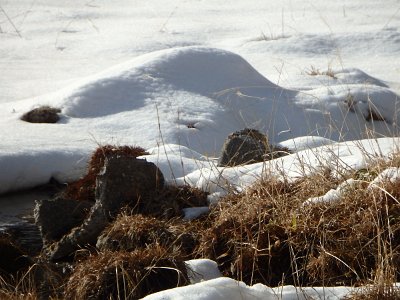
(227, 288)
(389, 175)
(202, 270)
(191, 96)
(333, 194)
(178, 78)
(305, 142)
(191, 213)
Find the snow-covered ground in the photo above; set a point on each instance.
(177, 77)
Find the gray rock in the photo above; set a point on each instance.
(123, 181)
(248, 146)
(56, 217)
(244, 147)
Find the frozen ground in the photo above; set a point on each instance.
(176, 78)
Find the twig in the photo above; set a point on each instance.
(11, 22)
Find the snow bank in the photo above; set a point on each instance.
(190, 96)
(226, 288)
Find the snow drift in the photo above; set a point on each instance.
(189, 96)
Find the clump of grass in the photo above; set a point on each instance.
(313, 71)
(130, 232)
(375, 292)
(169, 202)
(245, 239)
(268, 235)
(42, 114)
(372, 114)
(84, 188)
(126, 275)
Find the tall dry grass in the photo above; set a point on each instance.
(266, 234)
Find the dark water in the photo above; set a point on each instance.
(16, 217)
(18, 207)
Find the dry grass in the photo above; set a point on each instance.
(43, 114)
(268, 235)
(376, 292)
(131, 232)
(126, 275)
(313, 71)
(169, 202)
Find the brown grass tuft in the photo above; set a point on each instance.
(314, 72)
(126, 275)
(245, 239)
(130, 232)
(43, 114)
(84, 188)
(268, 235)
(169, 202)
(376, 292)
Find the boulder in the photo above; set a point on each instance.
(56, 217)
(244, 147)
(124, 181)
(248, 146)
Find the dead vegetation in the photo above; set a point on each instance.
(266, 234)
(42, 114)
(313, 71)
(135, 231)
(126, 275)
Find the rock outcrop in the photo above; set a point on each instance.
(124, 181)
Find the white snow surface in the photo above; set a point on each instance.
(226, 288)
(191, 96)
(176, 78)
(390, 175)
(202, 270)
(333, 194)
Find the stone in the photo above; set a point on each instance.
(244, 147)
(248, 146)
(124, 181)
(57, 217)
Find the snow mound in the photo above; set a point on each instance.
(199, 70)
(357, 76)
(305, 142)
(189, 96)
